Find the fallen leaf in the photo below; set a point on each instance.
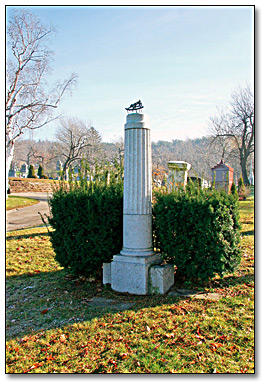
(223, 337)
(25, 339)
(62, 338)
(215, 346)
(37, 364)
(44, 311)
(200, 337)
(50, 358)
(169, 336)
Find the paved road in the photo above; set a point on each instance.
(28, 216)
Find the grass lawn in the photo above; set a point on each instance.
(52, 326)
(14, 202)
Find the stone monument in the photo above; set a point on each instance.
(24, 170)
(222, 175)
(130, 269)
(178, 172)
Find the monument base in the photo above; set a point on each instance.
(138, 275)
(131, 273)
(162, 278)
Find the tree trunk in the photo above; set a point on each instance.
(243, 163)
(65, 171)
(9, 157)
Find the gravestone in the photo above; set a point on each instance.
(178, 171)
(222, 175)
(24, 170)
(12, 173)
(130, 269)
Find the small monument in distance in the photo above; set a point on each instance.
(222, 175)
(137, 269)
(178, 173)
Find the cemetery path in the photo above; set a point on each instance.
(29, 216)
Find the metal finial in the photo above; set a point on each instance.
(135, 107)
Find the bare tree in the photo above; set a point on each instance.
(237, 123)
(30, 151)
(93, 152)
(119, 148)
(25, 151)
(44, 152)
(29, 101)
(75, 138)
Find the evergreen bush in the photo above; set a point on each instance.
(198, 231)
(87, 221)
(242, 191)
(234, 191)
(31, 172)
(40, 171)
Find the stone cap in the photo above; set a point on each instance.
(179, 165)
(223, 166)
(137, 120)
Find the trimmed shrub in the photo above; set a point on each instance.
(31, 172)
(40, 171)
(195, 229)
(87, 223)
(234, 191)
(243, 191)
(198, 231)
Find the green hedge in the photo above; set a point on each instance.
(198, 231)
(87, 225)
(31, 172)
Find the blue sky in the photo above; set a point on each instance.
(182, 62)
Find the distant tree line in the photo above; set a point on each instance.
(201, 153)
(230, 138)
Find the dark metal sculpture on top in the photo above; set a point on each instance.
(135, 107)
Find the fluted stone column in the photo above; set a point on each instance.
(137, 236)
(130, 269)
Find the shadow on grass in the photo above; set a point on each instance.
(26, 236)
(230, 281)
(46, 300)
(50, 300)
(247, 233)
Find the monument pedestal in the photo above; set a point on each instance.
(131, 273)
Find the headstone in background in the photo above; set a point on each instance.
(222, 175)
(178, 173)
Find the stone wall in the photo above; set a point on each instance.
(19, 185)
